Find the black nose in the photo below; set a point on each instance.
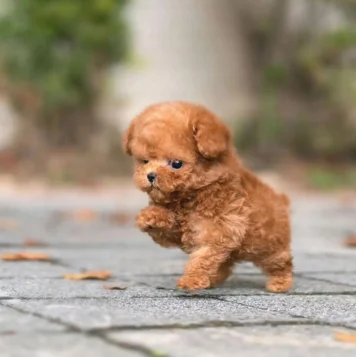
(151, 176)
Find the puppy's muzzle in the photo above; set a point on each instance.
(151, 177)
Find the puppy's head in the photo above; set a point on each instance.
(178, 148)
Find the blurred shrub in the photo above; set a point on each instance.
(328, 179)
(54, 54)
(306, 86)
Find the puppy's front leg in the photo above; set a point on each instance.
(160, 223)
(203, 267)
(211, 262)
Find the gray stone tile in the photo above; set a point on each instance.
(324, 308)
(59, 345)
(118, 260)
(126, 259)
(73, 233)
(320, 240)
(320, 226)
(123, 198)
(125, 310)
(252, 341)
(12, 321)
(339, 278)
(245, 284)
(323, 205)
(151, 300)
(152, 260)
(30, 270)
(66, 289)
(152, 286)
(324, 263)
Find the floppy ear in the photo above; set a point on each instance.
(127, 139)
(211, 135)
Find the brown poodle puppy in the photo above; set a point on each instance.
(203, 201)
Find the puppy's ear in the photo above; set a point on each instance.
(127, 139)
(211, 135)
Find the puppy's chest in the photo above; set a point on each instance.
(188, 216)
(184, 212)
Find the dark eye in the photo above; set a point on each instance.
(176, 164)
(145, 161)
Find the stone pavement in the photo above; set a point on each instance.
(44, 315)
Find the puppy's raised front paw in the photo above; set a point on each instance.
(193, 283)
(155, 218)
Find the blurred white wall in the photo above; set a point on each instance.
(186, 50)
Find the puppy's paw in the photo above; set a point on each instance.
(155, 218)
(279, 284)
(193, 283)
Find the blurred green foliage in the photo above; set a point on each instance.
(307, 103)
(328, 179)
(53, 57)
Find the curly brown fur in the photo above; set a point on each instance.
(212, 207)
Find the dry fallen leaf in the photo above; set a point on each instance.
(33, 243)
(7, 224)
(89, 275)
(84, 215)
(25, 256)
(351, 241)
(89, 183)
(120, 218)
(345, 337)
(106, 287)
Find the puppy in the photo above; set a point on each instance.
(203, 201)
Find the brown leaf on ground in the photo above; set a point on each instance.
(29, 242)
(89, 275)
(89, 183)
(107, 287)
(345, 337)
(84, 215)
(120, 218)
(351, 241)
(7, 224)
(25, 256)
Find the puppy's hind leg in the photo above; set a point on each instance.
(279, 271)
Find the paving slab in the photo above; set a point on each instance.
(52, 317)
(153, 286)
(20, 288)
(339, 278)
(31, 270)
(119, 260)
(123, 260)
(13, 322)
(338, 310)
(60, 345)
(320, 225)
(246, 284)
(248, 341)
(126, 310)
(62, 233)
(323, 262)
